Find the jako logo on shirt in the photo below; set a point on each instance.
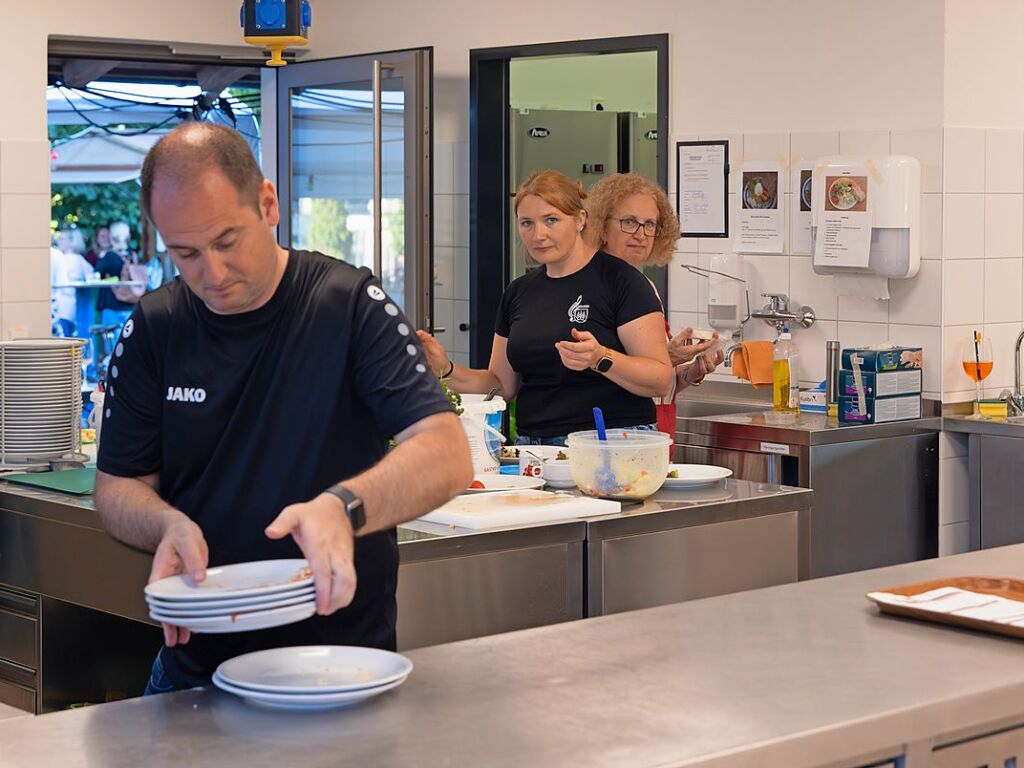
(579, 312)
(186, 394)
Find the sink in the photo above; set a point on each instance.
(693, 408)
(1014, 419)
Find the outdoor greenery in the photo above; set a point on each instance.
(328, 227)
(91, 206)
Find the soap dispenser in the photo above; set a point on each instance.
(785, 379)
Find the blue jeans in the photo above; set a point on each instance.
(158, 681)
(560, 440)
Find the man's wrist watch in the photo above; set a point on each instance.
(605, 363)
(354, 508)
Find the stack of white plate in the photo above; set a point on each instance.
(40, 398)
(312, 677)
(236, 598)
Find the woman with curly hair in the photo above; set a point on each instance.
(631, 217)
(580, 330)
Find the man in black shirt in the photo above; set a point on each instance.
(240, 394)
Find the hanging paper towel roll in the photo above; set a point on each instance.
(861, 286)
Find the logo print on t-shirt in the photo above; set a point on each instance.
(579, 312)
(376, 293)
(186, 394)
(128, 328)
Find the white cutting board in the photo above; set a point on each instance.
(509, 508)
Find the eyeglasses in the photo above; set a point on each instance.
(630, 226)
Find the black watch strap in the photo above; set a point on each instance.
(353, 505)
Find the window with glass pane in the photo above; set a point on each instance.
(332, 176)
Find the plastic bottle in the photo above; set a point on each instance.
(785, 382)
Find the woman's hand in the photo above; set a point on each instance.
(437, 358)
(680, 350)
(703, 365)
(581, 354)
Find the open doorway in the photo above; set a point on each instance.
(588, 108)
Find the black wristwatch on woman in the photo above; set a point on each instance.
(354, 508)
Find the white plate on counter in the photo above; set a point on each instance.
(172, 606)
(305, 702)
(314, 669)
(695, 475)
(169, 611)
(260, 577)
(496, 482)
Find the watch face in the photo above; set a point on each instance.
(604, 364)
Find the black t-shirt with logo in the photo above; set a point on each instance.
(242, 415)
(537, 311)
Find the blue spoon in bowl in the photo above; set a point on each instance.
(604, 477)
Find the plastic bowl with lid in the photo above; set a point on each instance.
(630, 464)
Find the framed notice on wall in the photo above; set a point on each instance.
(702, 188)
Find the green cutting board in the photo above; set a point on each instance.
(76, 481)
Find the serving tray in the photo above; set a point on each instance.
(1011, 589)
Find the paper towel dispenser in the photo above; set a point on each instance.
(893, 198)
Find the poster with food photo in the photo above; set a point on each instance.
(800, 226)
(846, 193)
(805, 189)
(760, 218)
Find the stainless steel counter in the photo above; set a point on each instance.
(998, 426)
(806, 674)
(61, 570)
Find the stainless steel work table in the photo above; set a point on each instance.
(805, 674)
(876, 485)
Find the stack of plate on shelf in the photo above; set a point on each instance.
(236, 598)
(40, 399)
(312, 677)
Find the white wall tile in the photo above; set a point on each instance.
(444, 169)
(963, 226)
(736, 156)
(766, 274)
(864, 142)
(25, 318)
(460, 152)
(963, 160)
(679, 320)
(918, 300)
(25, 167)
(26, 274)
(808, 287)
(954, 491)
(810, 345)
(444, 272)
(931, 226)
(683, 286)
(963, 292)
(862, 334)
(461, 203)
(462, 289)
(954, 380)
(444, 220)
(773, 147)
(24, 221)
(960, 396)
(1002, 337)
(1003, 290)
(1004, 161)
(926, 145)
(929, 338)
(459, 358)
(807, 147)
(460, 316)
(1004, 225)
(952, 444)
(862, 310)
(954, 539)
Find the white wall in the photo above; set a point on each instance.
(622, 82)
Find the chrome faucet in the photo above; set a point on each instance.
(1015, 406)
(777, 312)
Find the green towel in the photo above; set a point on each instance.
(77, 481)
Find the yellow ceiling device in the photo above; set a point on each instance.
(276, 24)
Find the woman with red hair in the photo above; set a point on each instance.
(582, 329)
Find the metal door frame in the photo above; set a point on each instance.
(489, 226)
(415, 65)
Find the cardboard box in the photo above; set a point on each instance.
(885, 384)
(878, 360)
(879, 410)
